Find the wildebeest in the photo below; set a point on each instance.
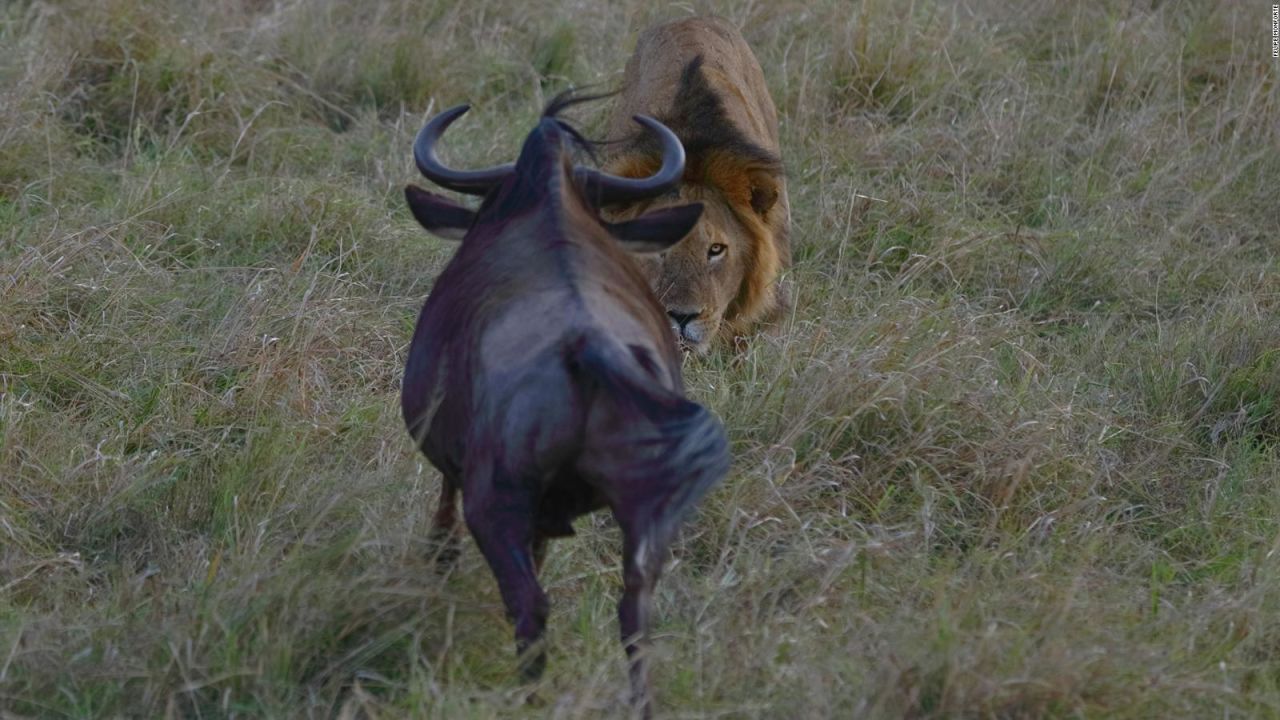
(699, 77)
(543, 380)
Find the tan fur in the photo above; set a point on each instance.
(727, 168)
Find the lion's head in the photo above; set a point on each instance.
(721, 279)
(699, 77)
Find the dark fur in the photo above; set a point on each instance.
(699, 120)
(543, 383)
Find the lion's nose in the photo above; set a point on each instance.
(683, 318)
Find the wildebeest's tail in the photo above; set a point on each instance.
(662, 452)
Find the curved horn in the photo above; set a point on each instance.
(604, 188)
(472, 182)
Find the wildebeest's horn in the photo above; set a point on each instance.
(472, 182)
(604, 188)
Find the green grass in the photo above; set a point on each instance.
(1016, 453)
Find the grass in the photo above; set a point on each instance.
(1016, 453)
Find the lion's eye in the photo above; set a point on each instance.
(716, 250)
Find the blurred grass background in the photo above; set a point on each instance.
(1017, 453)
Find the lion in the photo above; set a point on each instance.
(699, 77)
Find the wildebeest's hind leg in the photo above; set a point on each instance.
(442, 539)
(641, 565)
(649, 501)
(504, 533)
(539, 551)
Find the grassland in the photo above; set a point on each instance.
(1016, 454)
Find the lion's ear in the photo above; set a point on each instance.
(658, 230)
(438, 214)
(764, 192)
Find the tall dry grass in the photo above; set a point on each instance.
(1014, 456)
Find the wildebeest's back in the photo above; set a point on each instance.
(497, 395)
(444, 370)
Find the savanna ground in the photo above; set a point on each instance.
(1015, 454)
